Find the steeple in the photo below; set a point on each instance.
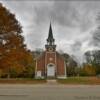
(50, 38)
(50, 46)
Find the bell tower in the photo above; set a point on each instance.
(50, 55)
(50, 46)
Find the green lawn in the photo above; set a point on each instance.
(22, 81)
(80, 80)
(69, 80)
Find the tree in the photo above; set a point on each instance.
(29, 65)
(14, 56)
(8, 22)
(71, 65)
(10, 30)
(93, 58)
(88, 70)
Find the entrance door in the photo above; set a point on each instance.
(50, 70)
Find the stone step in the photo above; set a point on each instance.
(51, 81)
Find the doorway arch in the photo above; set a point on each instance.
(51, 70)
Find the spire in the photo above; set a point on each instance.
(50, 38)
(50, 46)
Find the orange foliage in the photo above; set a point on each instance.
(89, 70)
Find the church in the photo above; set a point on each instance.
(50, 64)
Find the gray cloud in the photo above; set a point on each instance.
(72, 23)
(76, 46)
(69, 14)
(95, 41)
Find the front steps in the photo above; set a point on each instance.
(52, 81)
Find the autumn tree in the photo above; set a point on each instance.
(14, 57)
(93, 58)
(88, 70)
(71, 65)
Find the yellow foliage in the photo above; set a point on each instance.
(89, 70)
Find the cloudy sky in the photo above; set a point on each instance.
(73, 23)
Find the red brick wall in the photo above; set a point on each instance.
(41, 64)
(60, 65)
(50, 55)
(56, 59)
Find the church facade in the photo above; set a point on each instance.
(50, 64)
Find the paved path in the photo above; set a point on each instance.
(49, 92)
(52, 82)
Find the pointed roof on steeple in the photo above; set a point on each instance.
(50, 35)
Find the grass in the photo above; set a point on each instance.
(69, 80)
(80, 80)
(22, 81)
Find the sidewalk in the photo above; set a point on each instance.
(52, 81)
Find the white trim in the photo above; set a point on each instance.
(36, 69)
(45, 64)
(56, 63)
(65, 69)
(50, 63)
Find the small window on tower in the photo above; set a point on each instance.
(50, 49)
(50, 59)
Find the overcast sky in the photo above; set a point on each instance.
(73, 23)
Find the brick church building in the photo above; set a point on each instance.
(50, 64)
